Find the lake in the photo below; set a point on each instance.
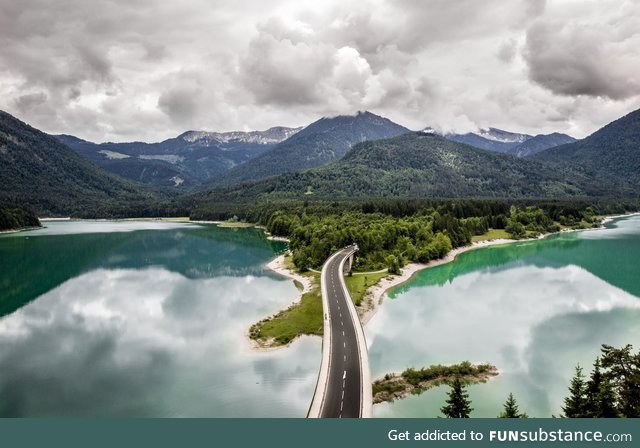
(145, 319)
(534, 309)
(149, 319)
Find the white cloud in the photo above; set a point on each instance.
(115, 70)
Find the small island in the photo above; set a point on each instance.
(415, 381)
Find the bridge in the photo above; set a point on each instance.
(343, 389)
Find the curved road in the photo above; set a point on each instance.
(344, 384)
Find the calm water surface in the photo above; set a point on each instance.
(533, 309)
(144, 319)
(148, 319)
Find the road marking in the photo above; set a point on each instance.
(343, 394)
(342, 323)
(344, 374)
(345, 357)
(344, 344)
(342, 332)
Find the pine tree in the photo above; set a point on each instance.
(623, 370)
(606, 401)
(458, 403)
(575, 403)
(592, 390)
(511, 409)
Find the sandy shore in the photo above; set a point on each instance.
(607, 219)
(277, 238)
(277, 265)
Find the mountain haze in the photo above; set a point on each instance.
(539, 143)
(491, 139)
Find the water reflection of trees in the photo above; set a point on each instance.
(609, 259)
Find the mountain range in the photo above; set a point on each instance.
(363, 155)
(412, 165)
(320, 143)
(539, 143)
(606, 165)
(188, 160)
(520, 145)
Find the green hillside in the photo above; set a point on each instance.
(610, 156)
(414, 165)
(43, 174)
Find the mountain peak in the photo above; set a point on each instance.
(323, 141)
(271, 136)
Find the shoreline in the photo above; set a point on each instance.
(21, 229)
(376, 294)
(277, 265)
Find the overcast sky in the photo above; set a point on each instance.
(124, 70)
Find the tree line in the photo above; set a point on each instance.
(390, 234)
(611, 391)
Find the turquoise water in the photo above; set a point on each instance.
(145, 319)
(533, 309)
(149, 319)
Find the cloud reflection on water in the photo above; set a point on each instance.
(509, 318)
(152, 343)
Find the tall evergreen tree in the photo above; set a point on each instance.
(511, 409)
(592, 390)
(623, 370)
(458, 403)
(575, 403)
(606, 401)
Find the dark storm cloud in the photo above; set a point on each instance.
(25, 102)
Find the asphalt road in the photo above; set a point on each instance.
(343, 391)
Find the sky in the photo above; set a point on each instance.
(119, 70)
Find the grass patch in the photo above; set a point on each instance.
(301, 318)
(358, 285)
(492, 234)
